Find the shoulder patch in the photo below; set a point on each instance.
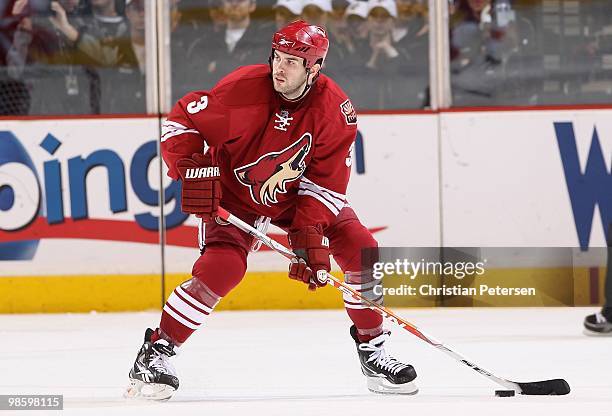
(349, 113)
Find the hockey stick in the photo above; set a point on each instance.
(545, 387)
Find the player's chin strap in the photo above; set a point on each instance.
(306, 87)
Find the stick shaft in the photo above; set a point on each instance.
(383, 311)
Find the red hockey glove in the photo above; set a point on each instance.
(201, 186)
(311, 263)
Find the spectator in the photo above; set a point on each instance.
(382, 15)
(490, 50)
(100, 45)
(286, 11)
(192, 46)
(378, 75)
(128, 88)
(135, 13)
(595, 53)
(411, 37)
(242, 42)
(452, 7)
(43, 57)
(336, 24)
(474, 61)
(8, 24)
(601, 323)
(14, 96)
(103, 42)
(317, 12)
(106, 29)
(412, 25)
(217, 17)
(352, 42)
(356, 17)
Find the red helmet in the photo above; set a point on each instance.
(304, 40)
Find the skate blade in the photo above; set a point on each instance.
(592, 333)
(382, 386)
(148, 391)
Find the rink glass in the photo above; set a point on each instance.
(394, 76)
(78, 65)
(527, 52)
(509, 53)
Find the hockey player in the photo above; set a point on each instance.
(600, 323)
(268, 143)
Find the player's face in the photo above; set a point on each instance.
(288, 74)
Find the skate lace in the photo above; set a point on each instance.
(379, 356)
(159, 363)
(159, 359)
(599, 318)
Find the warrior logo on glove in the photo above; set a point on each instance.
(201, 185)
(198, 173)
(269, 175)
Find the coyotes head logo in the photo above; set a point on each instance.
(269, 175)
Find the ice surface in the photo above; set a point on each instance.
(304, 363)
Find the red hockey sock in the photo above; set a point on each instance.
(215, 273)
(368, 323)
(348, 238)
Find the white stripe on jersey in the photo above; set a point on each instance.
(338, 195)
(172, 128)
(334, 201)
(321, 199)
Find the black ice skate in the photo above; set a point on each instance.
(152, 376)
(384, 373)
(599, 323)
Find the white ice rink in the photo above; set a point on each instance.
(304, 363)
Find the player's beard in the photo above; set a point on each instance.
(290, 89)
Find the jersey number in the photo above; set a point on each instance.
(197, 106)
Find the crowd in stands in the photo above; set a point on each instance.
(378, 52)
(519, 53)
(88, 56)
(72, 57)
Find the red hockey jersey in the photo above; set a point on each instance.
(276, 157)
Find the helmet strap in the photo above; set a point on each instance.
(306, 87)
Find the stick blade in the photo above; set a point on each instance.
(556, 387)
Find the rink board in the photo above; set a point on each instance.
(530, 179)
(79, 223)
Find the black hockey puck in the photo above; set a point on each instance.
(504, 393)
